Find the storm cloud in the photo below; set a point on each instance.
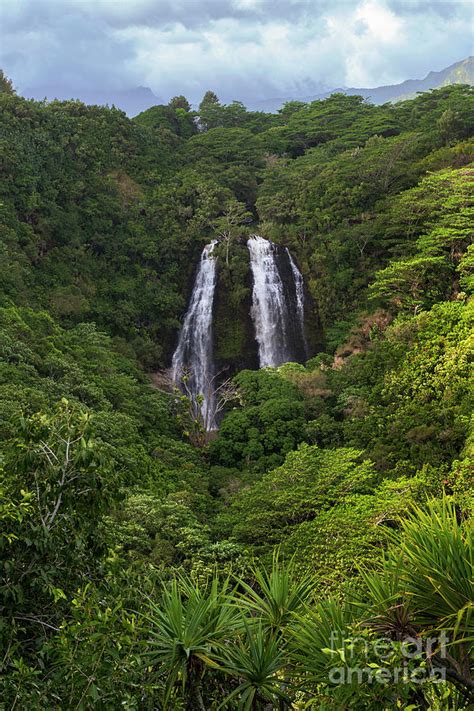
(243, 49)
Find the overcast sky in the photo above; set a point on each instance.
(239, 48)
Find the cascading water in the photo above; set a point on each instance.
(299, 289)
(277, 312)
(268, 303)
(193, 357)
(277, 298)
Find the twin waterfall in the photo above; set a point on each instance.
(277, 313)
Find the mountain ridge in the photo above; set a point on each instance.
(134, 100)
(461, 72)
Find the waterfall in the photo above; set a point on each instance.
(299, 289)
(193, 357)
(277, 312)
(268, 303)
(277, 303)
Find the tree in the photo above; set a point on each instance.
(210, 111)
(180, 102)
(310, 481)
(289, 108)
(235, 215)
(110, 490)
(429, 575)
(200, 421)
(277, 594)
(258, 663)
(410, 283)
(6, 85)
(188, 628)
(66, 482)
(209, 99)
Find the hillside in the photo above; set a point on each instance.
(152, 561)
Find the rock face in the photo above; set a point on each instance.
(235, 346)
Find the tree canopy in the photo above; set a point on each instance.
(146, 567)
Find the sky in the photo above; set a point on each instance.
(239, 48)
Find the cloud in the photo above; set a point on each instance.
(239, 48)
(42, 45)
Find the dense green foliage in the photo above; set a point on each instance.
(147, 566)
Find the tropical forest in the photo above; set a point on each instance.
(236, 440)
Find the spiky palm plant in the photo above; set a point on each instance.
(257, 661)
(314, 635)
(438, 572)
(188, 628)
(384, 603)
(425, 587)
(334, 665)
(276, 594)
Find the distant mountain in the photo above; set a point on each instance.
(459, 73)
(132, 101)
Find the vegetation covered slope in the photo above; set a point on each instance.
(139, 564)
